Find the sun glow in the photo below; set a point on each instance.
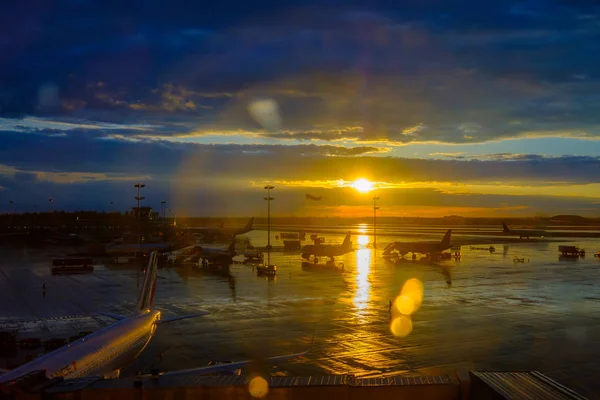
(362, 185)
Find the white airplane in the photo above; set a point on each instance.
(106, 352)
(524, 233)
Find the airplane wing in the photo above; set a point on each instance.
(180, 317)
(3, 371)
(113, 316)
(230, 366)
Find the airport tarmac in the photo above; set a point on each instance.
(482, 312)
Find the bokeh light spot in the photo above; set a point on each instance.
(401, 326)
(258, 387)
(413, 288)
(404, 304)
(48, 96)
(266, 113)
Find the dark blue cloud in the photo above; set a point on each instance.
(138, 48)
(89, 151)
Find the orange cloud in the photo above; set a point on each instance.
(414, 211)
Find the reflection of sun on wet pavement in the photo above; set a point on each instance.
(363, 240)
(363, 286)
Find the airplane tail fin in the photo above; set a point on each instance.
(505, 228)
(222, 224)
(347, 242)
(446, 240)
(146, 298)
(248, 226)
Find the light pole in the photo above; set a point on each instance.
(51, 200)
(375, 208)
(139, 185)
(162, 208)
(268, 199)
(11, 211)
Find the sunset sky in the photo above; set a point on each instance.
(467, 107)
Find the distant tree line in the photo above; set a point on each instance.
(103, 218)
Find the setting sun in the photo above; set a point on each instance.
(362, 185)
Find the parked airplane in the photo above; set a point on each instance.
(210, 234)
(523, 233)
(193, 254)
(220, 256)
(327, 250)
(429, 248)
(105, 352)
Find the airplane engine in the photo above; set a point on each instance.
(305, 256)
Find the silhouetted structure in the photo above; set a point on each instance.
(144, 213)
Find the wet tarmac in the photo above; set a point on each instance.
(482, 312)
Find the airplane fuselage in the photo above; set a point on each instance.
(429, 248)
(102, 353)
(419, 247)
(523, 233)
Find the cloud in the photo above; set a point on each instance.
(399, 72)
(32, 124)
(87, 153)
(166, 93)
(217, 179)
(495, 156)
(456, 154)
(64, 177)
(345, 133)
